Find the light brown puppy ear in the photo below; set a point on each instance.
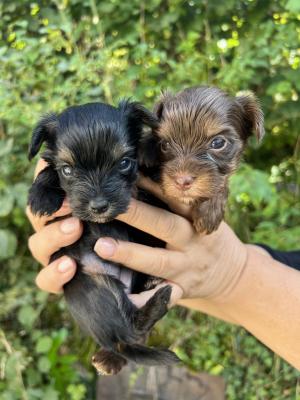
(161, 102)
(252, 116)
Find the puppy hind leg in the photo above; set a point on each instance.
(155, 308)
(108, 363)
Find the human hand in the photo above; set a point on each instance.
(203, 266)
(50, 238)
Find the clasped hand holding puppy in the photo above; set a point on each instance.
(252, 289)
(199, 266)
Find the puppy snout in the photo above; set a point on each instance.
(184, 181)
(99, 205)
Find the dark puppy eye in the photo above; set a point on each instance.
(218, 143)
(165, 145)
(67, 170)
(125, 164)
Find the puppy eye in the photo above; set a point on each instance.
(67, 170)
(218, 143)
(125, 164)
(165, 146)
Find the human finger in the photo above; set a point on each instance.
(150, 186)
(62, 233)
(171, 228)
(40, 165)
(38, 222)
(153, 261)
(55, 275)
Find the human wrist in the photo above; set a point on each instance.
(224, 275)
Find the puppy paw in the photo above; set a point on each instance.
(208, 215)
(107, 362)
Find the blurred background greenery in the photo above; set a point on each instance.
(57, 53)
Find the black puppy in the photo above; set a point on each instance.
(92, 153)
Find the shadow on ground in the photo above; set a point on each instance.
(160, 383)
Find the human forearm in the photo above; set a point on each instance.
(207, 307)
(266, 302)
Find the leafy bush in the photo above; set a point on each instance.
(62, 52)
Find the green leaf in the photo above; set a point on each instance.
(8, 244)
(293, 5)
(44, 364)
(6, 146)
(6, 202)
(50, 394)
(20, 191)
(44, 344)
(27, 316)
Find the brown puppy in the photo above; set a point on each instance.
(200, 139)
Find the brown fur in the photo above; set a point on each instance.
(189, 121)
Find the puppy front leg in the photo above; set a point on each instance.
(45, 195)
(207, 215)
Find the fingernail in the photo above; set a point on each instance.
(65, 265)
(69, 225)
(105, 247)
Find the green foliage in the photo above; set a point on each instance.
(62, 52)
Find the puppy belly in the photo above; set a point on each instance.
(94, 265)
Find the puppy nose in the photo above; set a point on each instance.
(99, 205)
(184, 181)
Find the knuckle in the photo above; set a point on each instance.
(29, 215)
(31, 244)
(134, 212)
(123, 254)
(45, 282)
(161, 266)
(168, 226)
(28, 212)
(38, 281)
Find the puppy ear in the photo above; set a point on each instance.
(148, 152)
(45, 195)
(46, 127)
(159, 106)
(252, 115)
(137, 115)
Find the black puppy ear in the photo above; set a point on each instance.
(46, 127)
(137, 118)
(45, 195)
(137, 115)
(148, 152)
(252, 115)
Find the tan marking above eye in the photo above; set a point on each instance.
(66, 156)
(120, 151)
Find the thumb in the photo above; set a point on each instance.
(153, 261)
